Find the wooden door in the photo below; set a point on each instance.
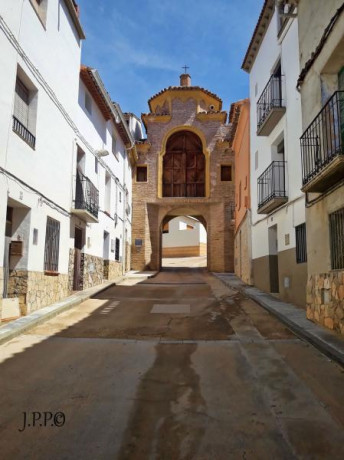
(184, 166)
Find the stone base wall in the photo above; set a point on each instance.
(71, 269)
(112, 269)
(18, 287)
(325, 300)
(92, 268)
(36, 290)
(43, 290)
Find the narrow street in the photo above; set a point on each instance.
(176, 367)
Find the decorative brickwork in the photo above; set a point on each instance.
(150, 209)
(325, 300)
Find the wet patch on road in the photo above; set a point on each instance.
(168, 417)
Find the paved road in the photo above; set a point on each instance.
(177, 367)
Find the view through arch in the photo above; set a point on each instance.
(184, 242)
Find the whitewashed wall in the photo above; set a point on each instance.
(293, 213)
(51, 62)
(178, 236)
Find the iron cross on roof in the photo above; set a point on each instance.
(185, 67)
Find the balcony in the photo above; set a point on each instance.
(23, 132)
(270, 106)
(322, 147)
(86, 204)
(271, 188)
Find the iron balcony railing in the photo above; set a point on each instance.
(271, 184)
(270, 98)
(323, 140)
(23, 132)
(86, 196)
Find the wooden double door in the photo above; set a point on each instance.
(184, 166)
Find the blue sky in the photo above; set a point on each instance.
(139, 47)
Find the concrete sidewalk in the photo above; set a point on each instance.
(328, 342)
(23, 324)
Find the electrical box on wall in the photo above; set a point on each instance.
(16, 248)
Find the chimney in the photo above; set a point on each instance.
(185, 79)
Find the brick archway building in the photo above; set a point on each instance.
(185, 167)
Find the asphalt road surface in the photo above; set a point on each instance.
(176, 367)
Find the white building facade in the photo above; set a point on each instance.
(48, 143)
(279, 257)
(184, 237)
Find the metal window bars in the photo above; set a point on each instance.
(87, 195)
(52, 243)
(23, 132)
(323, 140)
(270, 98)
(271, 183)
(337, 239)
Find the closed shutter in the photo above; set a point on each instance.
(21, 103)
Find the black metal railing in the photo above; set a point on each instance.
(323, 140)
(270, 98)
(271, 184)
(86, 196)
(23, 132)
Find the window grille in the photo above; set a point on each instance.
(301, 243)
(117, 249)
(52, 242)
(337, 239)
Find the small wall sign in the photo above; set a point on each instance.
(16, 248)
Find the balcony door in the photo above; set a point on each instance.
(184, 166)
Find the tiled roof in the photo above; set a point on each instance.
(184, 88)
(108, 108)
(258, 34)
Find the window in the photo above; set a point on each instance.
(24, 113)
(337, 239)
(96, 165)
(120, 197)
(239, 195)
(88, 103)
(141, 174)
(301, 244)
(256, 160)
(226, 173)
(52, 242)
(117, 249)
(107, 202)
(114, 146)
(40, 7)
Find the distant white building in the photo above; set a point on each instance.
(184, 237)
(278, 205)
(65, 161)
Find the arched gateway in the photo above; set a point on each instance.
(185, 167)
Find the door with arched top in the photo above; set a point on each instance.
(184, 166)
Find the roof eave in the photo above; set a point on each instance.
(75, 18)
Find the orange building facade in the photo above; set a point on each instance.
(240, 120)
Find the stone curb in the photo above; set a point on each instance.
(326, 341)
(25, 323)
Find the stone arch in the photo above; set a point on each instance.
(205, 151)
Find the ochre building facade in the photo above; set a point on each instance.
(184, 167)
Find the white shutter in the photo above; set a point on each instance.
(21, 103)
